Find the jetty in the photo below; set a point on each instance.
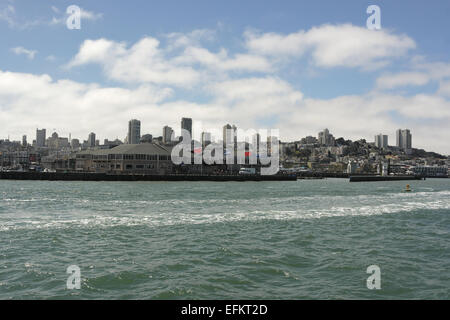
(384, 178)
(92, 176)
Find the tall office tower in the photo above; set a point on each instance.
(404, 139)
(256, 142)
(326, 138)
(186, 124)
(228, 137)
(206, 139)
(91, 140)
(134, 132)
(40, 137)
(399, 138)
(167, 134)
(381, 141)
(24, 140)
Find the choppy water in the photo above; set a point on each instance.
(225, 240)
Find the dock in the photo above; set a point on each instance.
(92, 176)
(384, 178)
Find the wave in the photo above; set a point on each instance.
(157, 219)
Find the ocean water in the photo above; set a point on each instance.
(310, 239)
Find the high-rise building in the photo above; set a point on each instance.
(91, 140)
(56, 142)
(186, 124)
(134, 132)
(24, 140)
(75, 144)
(326, 138)
(40, 137)
(167, 134)
(404, 139)
(206, 139)
(229, 135)
(256, 142)
(381, 141)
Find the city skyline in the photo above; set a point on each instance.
(171, 132)
(290, 67)
(324, 137)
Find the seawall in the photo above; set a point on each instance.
(383, 178)
(90, 176)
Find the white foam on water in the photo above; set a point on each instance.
(359, 206)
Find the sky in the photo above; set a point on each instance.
(296, 66)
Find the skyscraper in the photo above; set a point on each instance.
(134, 131)
(91, 140)
(40, 137)
(186, 124)
(404, 139)
(381, 141)
(24, 140)
(206, 139)
(167, 134)
(256, 143)
(227, 135)
(326, 138)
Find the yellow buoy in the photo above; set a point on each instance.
(408, 188)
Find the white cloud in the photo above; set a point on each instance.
(193, 38)
(39, 101)
(334, 45)
(21, 50)
(444, 88)
(221, 62)
(7, 14)
(80, 108)
(50, 58)
(147, 62)
(355, 117)
(144, 62)
(89, 15)
(390, 81)
(258, 91)
(421, 73)
(236, 94)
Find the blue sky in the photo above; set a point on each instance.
(287, 55)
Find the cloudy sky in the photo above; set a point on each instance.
(296, 66)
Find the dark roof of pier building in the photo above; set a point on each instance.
(143, 148)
